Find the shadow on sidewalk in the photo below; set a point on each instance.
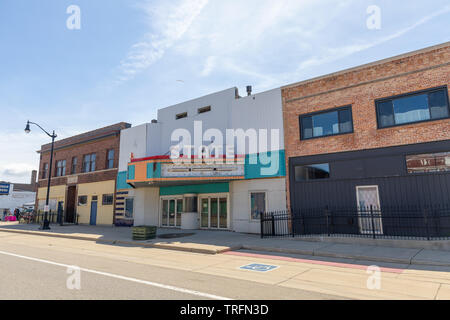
(291, 249)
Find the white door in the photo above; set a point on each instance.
(214, 212)
(171, 212)
(368, 197)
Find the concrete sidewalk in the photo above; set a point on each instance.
(214, 242)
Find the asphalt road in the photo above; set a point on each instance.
(34, 267)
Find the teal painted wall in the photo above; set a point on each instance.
(153, 170)
(131, 170)
(195, 188)
(122, 181)
(275, 168)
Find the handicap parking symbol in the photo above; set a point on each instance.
(258, 267)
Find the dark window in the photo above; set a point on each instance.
(328, 123)
(129, 208)
(60, 168)
(74, 165)
(257, 204)
(45, 171)
(181, 115)
(204, 109)
(107, 199)
(110, 159)
(94, 198)
(82, 200)
(89, 162)
(434, 162)
(312, 172)
(410, 108)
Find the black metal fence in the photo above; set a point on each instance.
(408, 222)
(52, 216)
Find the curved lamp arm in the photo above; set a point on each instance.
(27, 129)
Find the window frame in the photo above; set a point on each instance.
(125, 208)
(83, 169)
(423, 172)
(411, 94)
(74, 164)
(181, 115)
(309, 165)
(81, 204)
(250, 203)
(108, 159)
(107, 195)
(45, 171)
(63, 168)
(204, 109)
(307, 115)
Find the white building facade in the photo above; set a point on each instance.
(13, 197)
(216, 162)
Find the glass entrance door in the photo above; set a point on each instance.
(214, 212)
(171, 210)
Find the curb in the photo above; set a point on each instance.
(214, 251)
(345, 256)
(165, 246)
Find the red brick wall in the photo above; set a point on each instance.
(99, 147)
(360, 88)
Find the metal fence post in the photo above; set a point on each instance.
(327, 216)
(273, 225)
(293, 221)
(262, 228)
(373, 221)
(425, 220)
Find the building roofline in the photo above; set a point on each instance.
(368, 65)
(201, 97)
(86, 137)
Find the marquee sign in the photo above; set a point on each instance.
(192, 170)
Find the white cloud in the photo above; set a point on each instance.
(333, 54)
(168, 22)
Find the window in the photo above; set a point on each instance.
(74, 165)
(328, 123)
(257, 204)
(181, 115)
(312, 172)
(108, 199)
(410, 108)
(434, 162)
(89, 162)
(60, 168)
(204, 109)
(129, 208)
(110, 159)
(45, 171)
(82, 200)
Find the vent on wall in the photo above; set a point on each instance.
(181, 115)
(204, 109)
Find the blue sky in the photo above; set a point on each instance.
(131, 57)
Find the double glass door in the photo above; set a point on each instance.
(214, 212)
(171, 212)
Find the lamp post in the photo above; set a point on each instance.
(46, 224)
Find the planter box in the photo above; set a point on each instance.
(144, 232)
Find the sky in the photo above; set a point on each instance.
(132, 57)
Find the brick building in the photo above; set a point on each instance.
(84, 175)
(378, 134)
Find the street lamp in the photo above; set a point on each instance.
(46, 224)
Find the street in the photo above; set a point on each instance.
(38, 267)
(119, 272)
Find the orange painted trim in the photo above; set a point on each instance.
(187, 179)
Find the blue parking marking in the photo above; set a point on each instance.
(259, 267)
